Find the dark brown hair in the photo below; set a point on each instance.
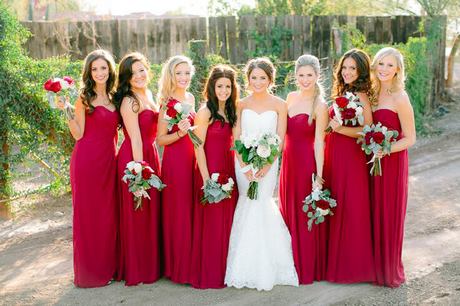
(209, 94)
(362, 83)
(263, 63)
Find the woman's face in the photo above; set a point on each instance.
(182, 75)
(140, 77)
(386, 68)
(258, 81)
(100, 71)
(223, 89)
(349, 70)
(306, 77)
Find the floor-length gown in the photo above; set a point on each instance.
(94, 197)
(350, 256)
(177, 207)
(260, 252)
(140, 229)
(298, 164)
(389, 202)
(212, 223)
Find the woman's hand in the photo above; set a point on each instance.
(184, 125)
(317, 183)
(379, 154)
(334, 124)
(262, 172)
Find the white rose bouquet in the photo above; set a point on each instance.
(217, 188)
(257, 151)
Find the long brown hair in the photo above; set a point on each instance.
(266, 65)
(87, 92)
(362, 83)
(125, 73)
(209, 94)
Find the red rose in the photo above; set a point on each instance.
(223, 179)
(341, 102)
(378, 137)
(367, 137)
(171, 103)
(52, 86)
(348, 113)
(322, 204)
(147, 173)
(171, 112)
(331, 113)
(69, 80)
(143, 163)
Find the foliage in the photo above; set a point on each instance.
(271, 45)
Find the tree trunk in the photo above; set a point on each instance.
(451, 62)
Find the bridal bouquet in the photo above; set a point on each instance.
(375, 138)
(217, 188)
(347, 110)
(140, 177)
(257, 151)
(318, 205)
(175, 112)
(60, 88)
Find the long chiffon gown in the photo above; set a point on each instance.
(140, 229)
(212, 223)
(298, 164)
(177, 207)
(94, 198)
(389, 202)
(350, 256)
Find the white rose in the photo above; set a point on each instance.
(215, 177)
(130, 165)
(315, 194)
(230, 180)
(64, 84)
(272, 141)
(227, 187)
(248, 141)
(167, 117)
(352, 104)
(263, 151)
(323, 212)
(137, 167)
(178, 107)
(359, 110)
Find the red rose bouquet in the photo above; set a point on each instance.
(317, 205)
(60, 88)
(175, 112)
(140, 177)
(347, 110)
(217, 188)
(376, 138)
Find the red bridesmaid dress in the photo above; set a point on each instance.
(94, 197)
(298, 164)
(140, 229)
(389, 202)
(350, 256)
(212, 223)
(177, 206)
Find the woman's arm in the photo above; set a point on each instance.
(131, 123)
(282, 122)
(321, 122)
(202, 123)
(76, 122)
(353, 131)
(406, 117)
(237, 135)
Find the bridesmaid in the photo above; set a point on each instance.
(389, 192)
(177, 170)
(93, 173)
(350, 257)
(303, 155)
(213, 222)
(139, 229)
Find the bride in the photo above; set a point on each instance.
(260, 253)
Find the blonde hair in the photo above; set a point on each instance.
(166, 83)
(398, 79)
(313, 62)
(266, 65)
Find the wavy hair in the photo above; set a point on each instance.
(398, 79)
(266, 65)
(167, 81)
(209, 94)
(362, 83)
(87, 87)
(125, 73)
(313, 62)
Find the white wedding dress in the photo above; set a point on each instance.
(260, 252)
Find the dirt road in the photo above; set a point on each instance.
(36, 250)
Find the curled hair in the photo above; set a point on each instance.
(209, 94)
(87, 87)
(263, 63)
(125, 73)
(167, 81)
(313, 62)
(399, 77)
(362, 83)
